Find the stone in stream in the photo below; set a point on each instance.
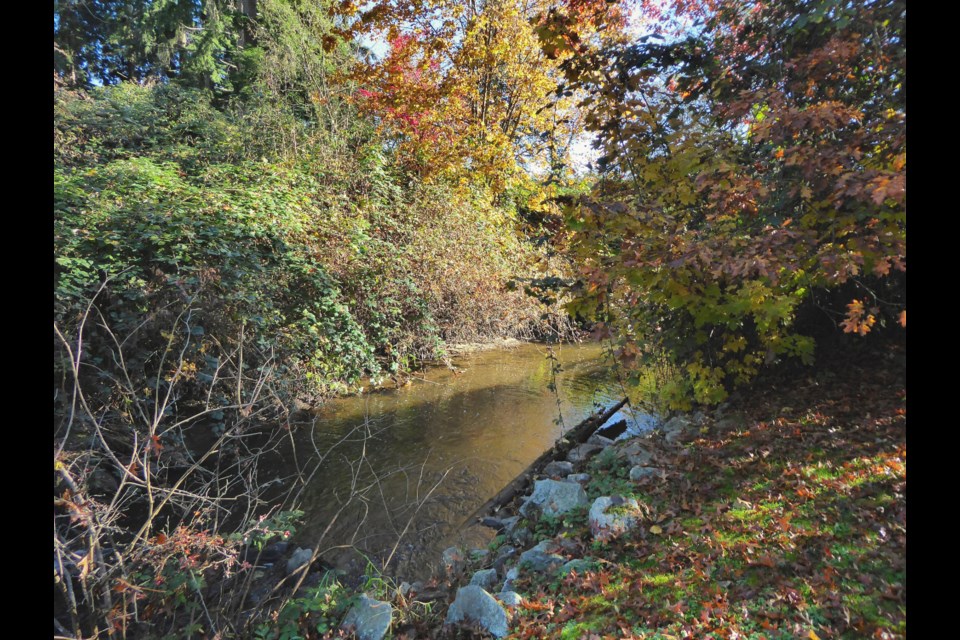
(473, 605)
(558, 469)
(611, 517)
(552, 497)
(370, 618)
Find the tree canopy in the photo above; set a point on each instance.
(752, 182)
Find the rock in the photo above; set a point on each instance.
(600, 440)
(583, 451)
(509, 579)
(504, 555)
(510, 599)
(299, 558)
(102, 482)
(558, 469)
(612, 517)
(493, 523)
(552, 498)
(509, 524)
(540, 557)
(580, 565)
(635, 453)
(676, 427)
(582, 478)
(638, 472)
(474, 605)
(370, 618)
(521, 536)
(479, 556)
(486, 579)
(452, 562)
(404, 588)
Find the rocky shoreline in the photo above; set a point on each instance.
(485, 580)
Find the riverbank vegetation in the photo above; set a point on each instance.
(257, 204)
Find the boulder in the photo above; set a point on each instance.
(558, 469)
(510, 599)
(370, 618)
(473, 605)
(611, 517)
(552, 497)
(511, 576)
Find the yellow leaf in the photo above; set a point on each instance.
(655, 529)
(812, 635)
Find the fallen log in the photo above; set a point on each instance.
(577, 435)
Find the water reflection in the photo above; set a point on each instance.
(401, 470)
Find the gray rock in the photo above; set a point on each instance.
(510, 599)
(582, 478)
(606, 523)
(600, 440)
(299, 558)
(558, 469)
(580, 565)
(677, 423)
(521, 536)
(479, 555)
(371, 618)
(583, 451)
(638, 472)
(486, 579)
(510, 578)
(541, 558)
(404, 588)
(474, 605)
(552, 497)
(509, 524)
(504, 555)
(635, 453)
(452, 561)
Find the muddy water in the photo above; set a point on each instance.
(401, 470)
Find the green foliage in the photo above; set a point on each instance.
(752, 182)
(320, 610)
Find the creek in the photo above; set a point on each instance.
(403, 469)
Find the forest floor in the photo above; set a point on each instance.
(785, 519)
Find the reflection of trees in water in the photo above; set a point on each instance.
(405, 476)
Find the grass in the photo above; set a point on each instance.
(785, 527)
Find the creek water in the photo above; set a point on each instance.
(394, 474)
